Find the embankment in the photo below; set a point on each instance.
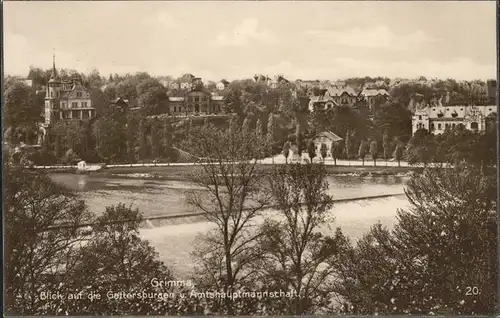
(181, 172)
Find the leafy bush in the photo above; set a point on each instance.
(441, 256)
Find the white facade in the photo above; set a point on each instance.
(66, 100)
(437, 119)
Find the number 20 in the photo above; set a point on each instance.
(472, 291)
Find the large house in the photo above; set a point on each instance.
(66, 100)
(436, 119)
(185, 82)
(196, 102)
(374, 95)
(334, 96)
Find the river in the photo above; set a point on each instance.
(174, 239)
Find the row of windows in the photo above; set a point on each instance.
(75, 114)
(58, 94)
(198, 99)
(447, 109)
(473, 125)
(181, 109)
(75, 105)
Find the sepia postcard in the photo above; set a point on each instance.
(268, 158)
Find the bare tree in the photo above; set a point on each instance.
(233, 197)
(294, 255)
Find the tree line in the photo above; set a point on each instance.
(284, 109)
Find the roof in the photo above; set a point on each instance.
(328, 134)
(54, 80)
(176, 98)
(188, 75)
(373, 92)
(336, 91)
(217, 97)
(119, 99)
(322, 99)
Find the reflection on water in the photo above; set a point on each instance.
(169, 196)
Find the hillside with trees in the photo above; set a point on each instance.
(121, 135)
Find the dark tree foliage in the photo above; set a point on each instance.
(374, 151)
(395, 119)
(115, 259)
(336, 151)
(22, 110)
(323, 151)
(37, 258)
(286, 150)
(439, 259)
(311, 150)
(110, 134)
(362, 151)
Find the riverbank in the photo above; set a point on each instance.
(179, 172)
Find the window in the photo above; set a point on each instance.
(51, 94)
(84, 104)
(74, 105)
(432, 126)
(63, 105)
(474, 125)
(74, 114)
(78, 94)
(196, 99)
(175, 109)
(420, 117)
(439, 126)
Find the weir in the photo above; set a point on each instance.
(187, 218)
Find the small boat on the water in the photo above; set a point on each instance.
(83, 167)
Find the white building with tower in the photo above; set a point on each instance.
(66, 100)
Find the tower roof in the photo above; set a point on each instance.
(54, 76)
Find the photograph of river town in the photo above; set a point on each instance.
(250, 158)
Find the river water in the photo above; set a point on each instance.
(174, 239)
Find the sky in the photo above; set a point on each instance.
(231, 40)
